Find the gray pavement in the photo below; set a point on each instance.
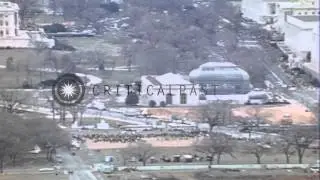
(81, 171)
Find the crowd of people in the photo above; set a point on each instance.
(135, 137)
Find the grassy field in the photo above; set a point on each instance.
(116, 77)
(22, 60)
(100, 44)
(44, 18)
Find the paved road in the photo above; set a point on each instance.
(269, 57)
(81, 171)
(276, 75)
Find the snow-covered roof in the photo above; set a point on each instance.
(171, 78)
(303, 22)
(218, 64)
(218, 71)
(166, 79)
(8, 6)
(308, 18)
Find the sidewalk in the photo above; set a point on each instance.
(198, 167)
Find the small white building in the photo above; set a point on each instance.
(298, 30)
(11, 36)
(169, 89)
(270, 11)
(313, 66)
(296, 11)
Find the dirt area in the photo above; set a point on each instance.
(34, 177)
(167, 112)
(272, 114)
(275, 114)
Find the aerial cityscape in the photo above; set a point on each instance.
(159, 89)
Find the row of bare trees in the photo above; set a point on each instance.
(294, 141)
(217, 145)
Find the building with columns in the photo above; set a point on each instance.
(11, 36)
(9, 19)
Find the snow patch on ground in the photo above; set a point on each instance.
(245, 25)
(97, 105)
(241, 98)
(220, 43)
(93, 80)
(118, 68)
(249, 44)
(225, 20)
(268, 27)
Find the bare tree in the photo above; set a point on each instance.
(68, 65)
(18, 136)
(20, 147)
(254, 121)
(74, 112)
(26, 8)
(286, 147)
(248, 126)
(63, 113)
(216, 144)
(257, 116)
(257, 149)
(51, 61)
(48, 136)
(215, 114)
(82, 107)
(52, 104)
(301, 139)
(11, 100)
(142, 151)
(10, 135)
(125, 155)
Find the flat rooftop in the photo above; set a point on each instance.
(307, 18)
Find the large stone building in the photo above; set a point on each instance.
(11, 36)
(9, 20)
